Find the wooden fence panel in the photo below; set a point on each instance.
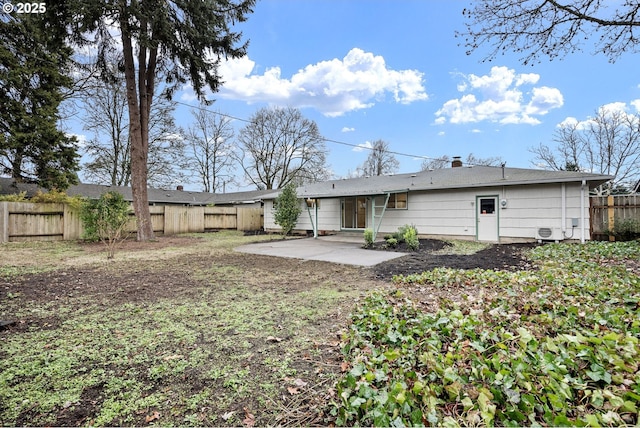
(25, 221)
(220, 218)
(249, 219)
(606, 211)
(73, 228)
(39, 222)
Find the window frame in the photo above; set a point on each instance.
(393, 200)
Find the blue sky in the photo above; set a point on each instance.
(365, 70)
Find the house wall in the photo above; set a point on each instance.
(452, 213)
(328, 216)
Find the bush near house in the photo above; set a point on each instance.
(368, 238)
(559, 345)
(407, 234)
(287, 209)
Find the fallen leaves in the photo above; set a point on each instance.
(152, 417)
(249, 420)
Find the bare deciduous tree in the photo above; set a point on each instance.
(380, 160)
(209, 141)
(279, 146)
(607, 143)
(552, 28)
(445, 162)
(106, 116)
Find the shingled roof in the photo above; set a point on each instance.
(156, 196)
(442, 179)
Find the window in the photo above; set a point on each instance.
(488, 206)
(397, 201)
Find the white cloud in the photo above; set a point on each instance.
(605, 109)
(500, 97)
(333, 87)
(81, 139)
(363, 146)
(347, 129)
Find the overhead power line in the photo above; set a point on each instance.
(328, 140)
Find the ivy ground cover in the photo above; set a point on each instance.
(556, 345)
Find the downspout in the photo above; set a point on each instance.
(582, 217)
(564, 210)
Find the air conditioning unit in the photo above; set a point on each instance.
(549, 234)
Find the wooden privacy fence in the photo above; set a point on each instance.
(25, 221)
(606, 211)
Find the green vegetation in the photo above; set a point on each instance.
(228, 334)
(410, 237)
(368, 238)
(15, 197)
(287, 209)
(106, 219)
(555, 346)
(407, 234)
(626, 229)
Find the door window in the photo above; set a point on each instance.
(487, 206)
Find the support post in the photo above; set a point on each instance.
(4, 222)
(611, 217)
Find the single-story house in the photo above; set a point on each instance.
(483, 203)
(179, 196)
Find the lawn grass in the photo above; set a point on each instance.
(236, 344)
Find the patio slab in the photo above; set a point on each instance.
(333, 249)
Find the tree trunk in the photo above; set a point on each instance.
(139, 144)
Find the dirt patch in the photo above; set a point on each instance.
(132, 245)
(305, 387)
(495, 257)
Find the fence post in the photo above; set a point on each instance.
(4, 222)
(611, 217)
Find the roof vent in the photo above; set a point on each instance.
(456, 162)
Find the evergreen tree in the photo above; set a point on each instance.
(33, 65)
(287, 209)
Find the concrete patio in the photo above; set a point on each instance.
(335, 248)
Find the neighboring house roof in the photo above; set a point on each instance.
(155, 196)
(442, 179)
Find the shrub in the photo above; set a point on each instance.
(411, 238)
(626, 230)
(15, 197)
(287, 209)
(392, 242)
(368, 238)
(106, 219)
(57, 197)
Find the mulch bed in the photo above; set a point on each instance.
(495, 257)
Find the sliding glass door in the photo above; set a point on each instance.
(354, 213)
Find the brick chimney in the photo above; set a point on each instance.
(180, 187)
(456, 162)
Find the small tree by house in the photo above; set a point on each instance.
(106, 219)
(287, 209)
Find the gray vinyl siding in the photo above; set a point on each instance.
(453, 212)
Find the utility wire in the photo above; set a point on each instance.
(328, 140)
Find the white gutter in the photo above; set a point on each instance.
(582, 217)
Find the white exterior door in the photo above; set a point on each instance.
(487, 218)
